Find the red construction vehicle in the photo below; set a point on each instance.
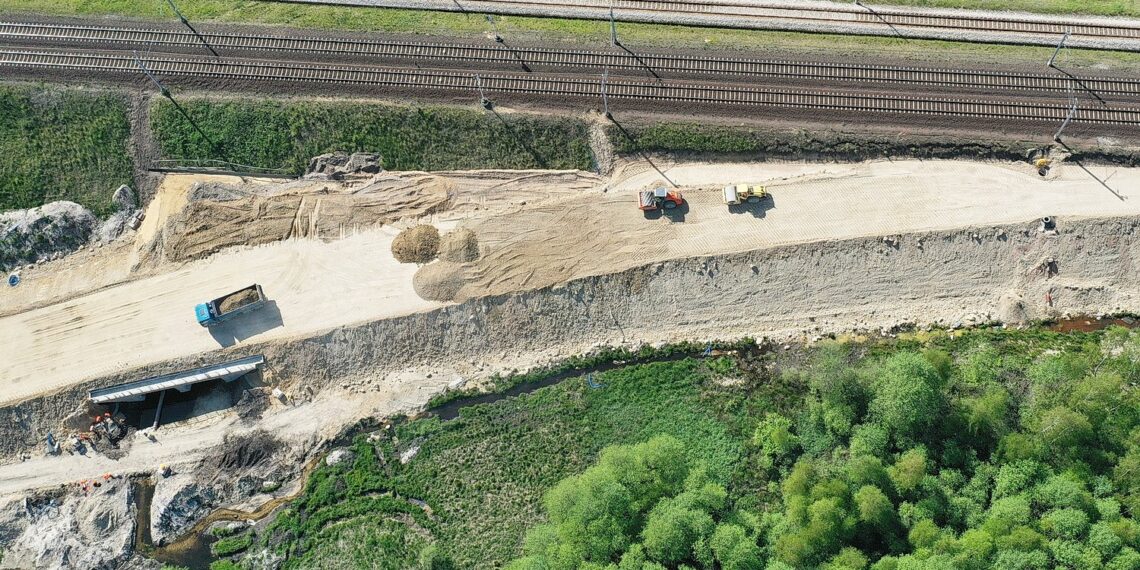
(658, 198)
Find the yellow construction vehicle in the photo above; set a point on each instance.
(740, 193)
(1042, 165)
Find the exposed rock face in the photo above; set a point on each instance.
(179, 502)
(124, 198)
(77, 530)
(335, 166)
(236, 472)
(39, 234)
(340, 456)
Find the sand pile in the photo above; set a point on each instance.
(419, 244)
(459, 246)
(439, 281)
(237, 300)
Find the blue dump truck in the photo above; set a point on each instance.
(228, 306)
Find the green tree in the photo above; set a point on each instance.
(775, 439)
(848, 559)
(672, 530)
(987, 417)
(1063, 432)
(908, 471)
(875, 508)
(908, 397)
(869, 439)
(734, 550)
(1067, 524)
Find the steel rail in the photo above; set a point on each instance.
(562, 86)
(617, 60)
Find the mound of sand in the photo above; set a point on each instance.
(459, 246)
(419, 244)
(439, 281)
(238, 300)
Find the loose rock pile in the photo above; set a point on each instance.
(337, 165)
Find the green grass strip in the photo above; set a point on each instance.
(275, 134)
(62, 144)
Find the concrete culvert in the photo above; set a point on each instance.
(459, 246)
(439, 281)
(419, 244)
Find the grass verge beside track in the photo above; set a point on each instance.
(279, 134)
(721, 142)
(62, 144)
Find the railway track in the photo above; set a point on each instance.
(562, 86)
(848, 17)
(309, 47)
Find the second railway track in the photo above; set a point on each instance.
(562, 86)
(307, 47)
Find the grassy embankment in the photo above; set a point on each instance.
(62, 144)
(937, 420)
(596, 33)
(721, 141)
(271, 134)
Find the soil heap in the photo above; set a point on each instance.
(238, 300)
(419, 244)
(459, 246)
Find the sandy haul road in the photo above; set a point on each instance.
(589, 230)
(546, 245)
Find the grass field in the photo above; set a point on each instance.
(270, 134)
(474, 486)
(595, 33)
(62, 144)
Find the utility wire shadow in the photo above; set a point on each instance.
(515, 53)
(1082, 84)
(638, 59)
(1103, 182)
(522, 142)
(882, 19)
(637, 148)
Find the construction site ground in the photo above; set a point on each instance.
(532, 233)
(107, 311)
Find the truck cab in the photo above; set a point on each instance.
(202, 312)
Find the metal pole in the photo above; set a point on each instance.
(1072, 111)
(166, 93)
(605, 96)
(483, 100)
(161, 89)
(495, 27)
(1059, 46)
(186, 23)
(158, 412)
(613, 27)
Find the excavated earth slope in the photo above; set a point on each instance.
(1011, 273)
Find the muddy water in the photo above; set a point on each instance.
(192, 550)
(1090, 324)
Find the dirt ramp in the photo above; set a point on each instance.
(218, 220)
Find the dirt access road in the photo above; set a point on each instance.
(318, 286)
